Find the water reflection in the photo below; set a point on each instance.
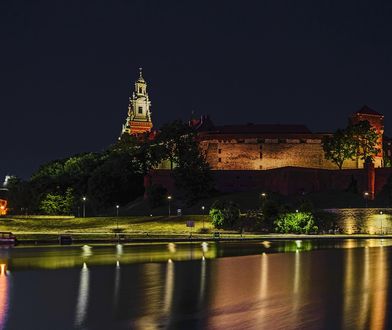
(329, 288)
(82, 299)
(4, 295)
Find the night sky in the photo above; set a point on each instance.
(67, 67)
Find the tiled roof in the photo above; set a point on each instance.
(261, 129)
(368, 111)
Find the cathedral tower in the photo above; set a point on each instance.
(139, 115)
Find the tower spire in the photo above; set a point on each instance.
(139, 114)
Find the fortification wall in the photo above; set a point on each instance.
(286, 181)
(251, 154)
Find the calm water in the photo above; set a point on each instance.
(264, 285)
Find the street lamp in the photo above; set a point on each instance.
(365, 196)
(169, 198)
(202, 209)
(117, 207)
(84, 206)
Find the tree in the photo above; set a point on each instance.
(295, 223)
(114, 182)
(55, 204)
(191, 172)
(144, 153)
(365, 139)
(357, 140)
(339, 147)
(170, 139)
(21, 196)
(224, 214)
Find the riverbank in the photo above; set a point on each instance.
(139, 229)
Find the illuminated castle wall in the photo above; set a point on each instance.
(253, 146)
(264, 147)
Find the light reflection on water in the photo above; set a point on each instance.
(342, 284)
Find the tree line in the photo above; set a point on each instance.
(115, 175)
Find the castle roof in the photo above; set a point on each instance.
(365, 110)
(261, 129)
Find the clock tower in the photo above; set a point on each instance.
(139, 115)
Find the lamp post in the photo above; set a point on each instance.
(202, 209)
(84, 206)
(263, 198)
(169, 198)
(365, 196)
(117, 207)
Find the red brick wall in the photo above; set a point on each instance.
(286, 180)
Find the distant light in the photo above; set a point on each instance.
(203, 207)
(84, 198)
(117, 206)
(296, 211)
(169, 197)
(381, 212)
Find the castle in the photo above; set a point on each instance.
(239, 154)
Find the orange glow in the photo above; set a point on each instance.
(3, 295)
(3, 207)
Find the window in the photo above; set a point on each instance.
(261, 155)
(219, 160)
(140, 90)
(219, 151)
(140, 109)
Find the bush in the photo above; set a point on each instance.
(54, 204)
(295, 223)
(224, 214)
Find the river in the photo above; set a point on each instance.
(326, 284)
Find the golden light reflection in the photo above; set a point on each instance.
(169, 286)
(380, 290)
(4, 295)
(202, 280)
(364, 303)
(171, 247)
(82, 302)
(86, 251)
(264, 276)
(117, 278)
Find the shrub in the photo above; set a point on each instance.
(295, 223)
(224, 214)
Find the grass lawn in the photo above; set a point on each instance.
(103, 225)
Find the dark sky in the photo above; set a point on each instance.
(67, 67)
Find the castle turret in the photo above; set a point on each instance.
(139, 114)
(376, 120)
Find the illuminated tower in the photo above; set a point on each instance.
(376, 120)
(139, 115)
